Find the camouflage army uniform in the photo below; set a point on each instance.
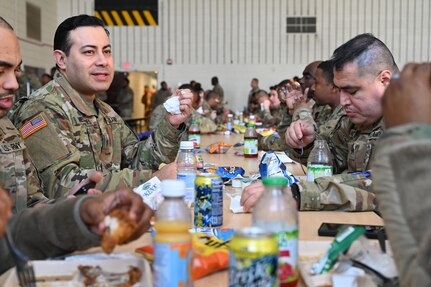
(17, 175)
(206, 125)
(352, 148)
(401, 181)
(277, 143)
(158, 114)
(74, 138)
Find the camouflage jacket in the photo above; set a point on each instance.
(17, 173)
(352, 150)
(277, 143)
(68, 138)
(206, 125)
(158, 114)
(401, 181)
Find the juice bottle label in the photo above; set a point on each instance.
(318, 170)
(288, 257)
(250, 146)
(189, 180)
(172, 264)
(196, 139)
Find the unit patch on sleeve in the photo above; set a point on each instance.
(32, 126)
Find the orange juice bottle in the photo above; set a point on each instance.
(172, 242)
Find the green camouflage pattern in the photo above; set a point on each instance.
(206, 125)
(401, 181)
(277, 143)
(219, 91)
(17, 173)
(343, 192)
(158, 114)
(83, 137)
(159, 98)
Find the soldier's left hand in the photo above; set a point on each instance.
(408, 99)
(251, 194)
(186, 98)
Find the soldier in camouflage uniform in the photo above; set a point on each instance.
(401, 172)
(17, 174)
(70, 133)
(362, 70)
(55, 229)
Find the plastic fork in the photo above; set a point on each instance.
(24, 268)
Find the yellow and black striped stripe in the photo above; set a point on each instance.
(127, 17)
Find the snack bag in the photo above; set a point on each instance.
(218, 147)
(270, 165)
(229, 172)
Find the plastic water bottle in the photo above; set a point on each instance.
(319, 161)
(276, 212)
(250, 139)
(172, 242)
(186, 169)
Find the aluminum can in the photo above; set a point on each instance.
(253, 258)
(208, 200)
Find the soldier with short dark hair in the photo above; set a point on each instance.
(70, 133)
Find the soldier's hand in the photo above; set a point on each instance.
(5, 210)
(300, 134)
(94, 209)
(408, 99)
(251, 194)
(92, 177)
(168, 171)
(186, 98)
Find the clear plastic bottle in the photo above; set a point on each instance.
(250, 139)
(195, 134)
(276, 212)
(229, 123)
(186, 168)
(319, 161)
(172, 242)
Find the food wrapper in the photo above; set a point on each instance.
(210, 250)
(218, 147)
(229, 172)
(267, 132)
(270, 165)
(150, 191)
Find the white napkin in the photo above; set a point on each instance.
(150, 191)
(348, 277)
(172, 105)
(235, 205)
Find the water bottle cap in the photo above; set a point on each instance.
(187, 145)
(174, 188)
(275, 181)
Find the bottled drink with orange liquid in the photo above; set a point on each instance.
(172, 243)
(250, 139)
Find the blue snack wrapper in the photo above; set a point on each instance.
(270, 165)
(228, 172)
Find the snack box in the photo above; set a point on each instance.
(66, 270)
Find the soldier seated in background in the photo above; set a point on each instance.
(70, 133)
(362, 70)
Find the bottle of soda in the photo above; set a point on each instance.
(319, 161)
(276, 212)
(250, 139)
(186, 168)
(195, 134)
(172, 242)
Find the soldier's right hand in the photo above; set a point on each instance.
(94, 177)
(300, 134)
(251, 194)
(168, 171)
(5, 210)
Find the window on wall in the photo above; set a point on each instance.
(301, 25)
(33, 22)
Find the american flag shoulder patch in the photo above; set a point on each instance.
(32, 126)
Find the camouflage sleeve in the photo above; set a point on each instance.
(401, 172)
(156, 117)
(35, 193)
(49, 231)
(343, 192)
(161, 147)
(272, 143)
(206, 125)
(58, 159)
